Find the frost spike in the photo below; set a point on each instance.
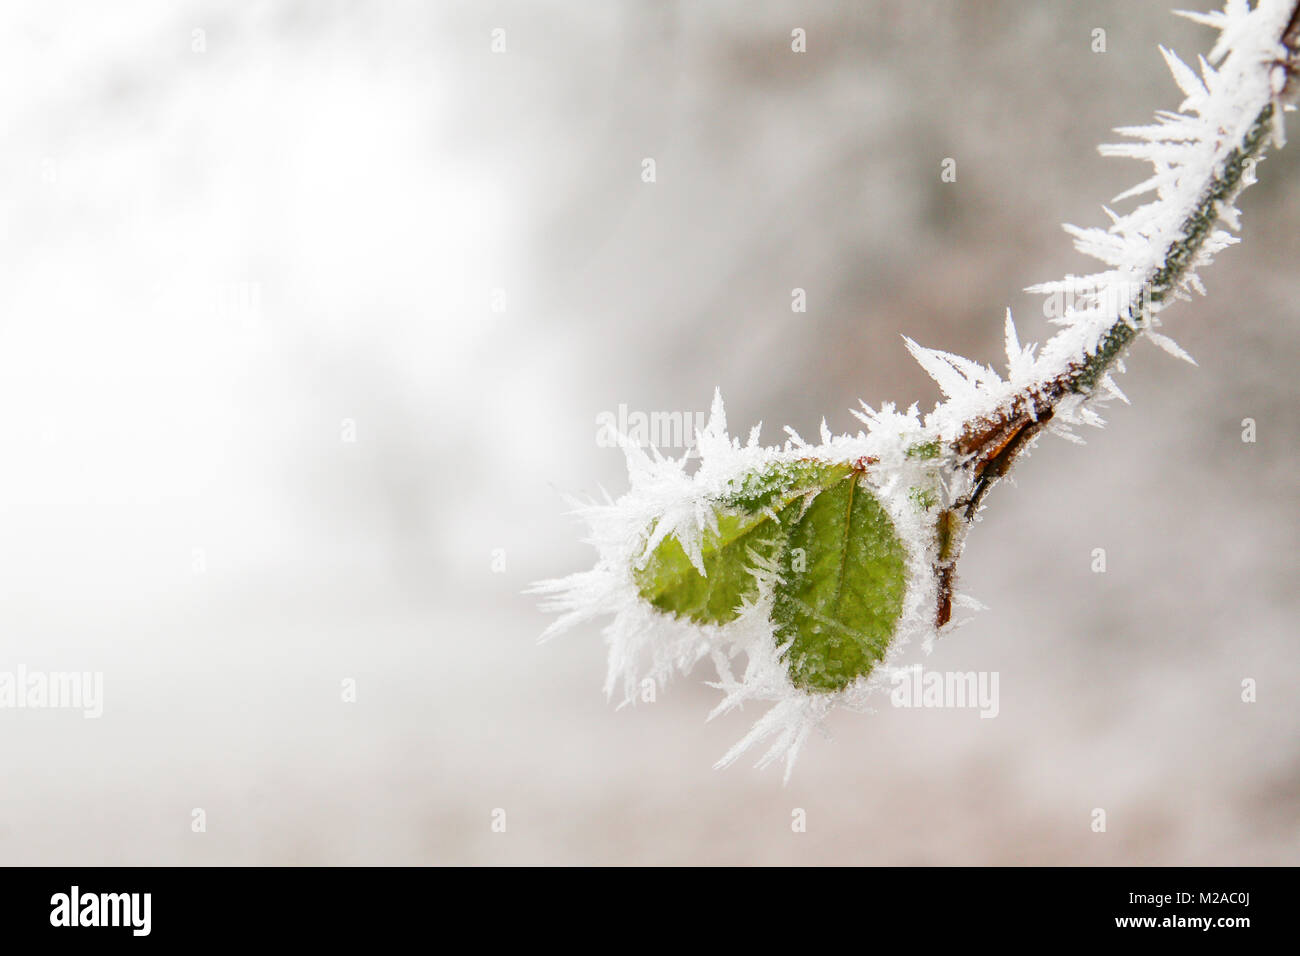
(1167, 344)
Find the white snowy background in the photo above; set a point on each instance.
(217, 261)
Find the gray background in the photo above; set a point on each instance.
(214, 260)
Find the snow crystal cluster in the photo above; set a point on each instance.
(1191, 152)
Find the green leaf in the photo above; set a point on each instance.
(842, 569)
(756, 514)
(781, 483)
(929, 449)
(671, 583)
(843, 579)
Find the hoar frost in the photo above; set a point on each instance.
(791, 637)
(800, 572)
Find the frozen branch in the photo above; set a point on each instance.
(816, 564)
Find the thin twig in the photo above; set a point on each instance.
(990, 443)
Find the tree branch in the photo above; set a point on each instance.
(990, 443)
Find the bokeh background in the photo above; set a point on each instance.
(264, 432)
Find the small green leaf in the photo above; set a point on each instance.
(755, 514)
(782, 482)
(923, 498)
(671, 583)
(843, 577)
(929, 449)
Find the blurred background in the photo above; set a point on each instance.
(307, 313)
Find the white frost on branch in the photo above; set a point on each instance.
(1187, 150)
(645, 643)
